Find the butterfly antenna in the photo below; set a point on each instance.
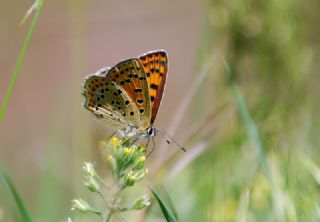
(170, 139)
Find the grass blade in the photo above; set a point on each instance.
(170, 203)
(165, 210)
(250, 126)
(242, 215)
(26, 216)
(20, 59)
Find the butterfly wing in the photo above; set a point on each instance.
(109, 101)
(131, 77)
(155, 64)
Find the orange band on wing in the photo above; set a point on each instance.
(155, 64)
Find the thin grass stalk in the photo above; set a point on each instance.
(178, 117)
(22, 54)
(22, 207)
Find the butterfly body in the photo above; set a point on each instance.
(130, 92)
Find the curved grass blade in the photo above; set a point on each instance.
(5, 178)
(170, 203)
(21, 58)
(164, 208)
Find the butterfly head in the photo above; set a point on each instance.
(151, 131)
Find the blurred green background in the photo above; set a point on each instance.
(228, 173)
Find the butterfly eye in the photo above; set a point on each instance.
(151, 131)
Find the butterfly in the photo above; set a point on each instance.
(130, 92)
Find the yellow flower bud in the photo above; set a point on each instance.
(115, 141)
(141, 159)
(130, 178)
(142, 148)
(127, 151)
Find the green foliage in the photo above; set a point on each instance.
(258, 166)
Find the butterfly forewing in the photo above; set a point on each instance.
(130, 76)
(155, 64)
(106, 100)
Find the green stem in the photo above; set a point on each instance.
(111, 206)
(108, 219)
(20, 59)
(102, 182)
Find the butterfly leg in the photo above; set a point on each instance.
(114, 133)
(148, 142)
(153, 148)
(129, 141)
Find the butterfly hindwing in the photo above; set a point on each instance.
(155, 64)
(106, 100)
(131, 77)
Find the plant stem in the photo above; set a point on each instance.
(108, 219)
(111, 206)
